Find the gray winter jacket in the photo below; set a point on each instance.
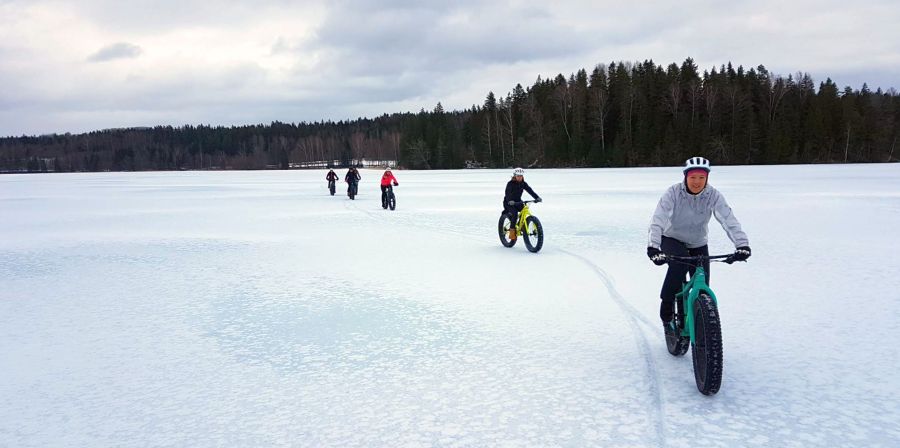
(685, 217)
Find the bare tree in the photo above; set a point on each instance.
(420, 153)
(777, 88)
(602, 111)
(673, 99)
(534, 123)
(395, 144)
(630, 94)
(710, 95)
(487, 135)
(694, 94)
(891, 155)
(563, 100)
(738, 101)
(507, 109)
(499, 136)
(847, 145)
(357, 145)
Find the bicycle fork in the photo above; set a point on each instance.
(684, 302)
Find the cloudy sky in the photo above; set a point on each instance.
(75, 66)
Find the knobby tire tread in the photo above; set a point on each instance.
(503, 233)
(706, 319)
(534, 247)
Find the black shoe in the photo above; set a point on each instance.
(669, 328)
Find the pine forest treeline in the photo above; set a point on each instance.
(620, 114)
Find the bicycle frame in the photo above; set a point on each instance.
(523, 215)
(692, 289)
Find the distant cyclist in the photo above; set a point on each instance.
(513, 198)
(352, 177)
(386, 179)
(680, 226)
(331, 177)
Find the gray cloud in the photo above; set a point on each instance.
(368, 57)
(150, 16)
(398, 52)
(118, 50)
(386, 39)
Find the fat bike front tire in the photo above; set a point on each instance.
(706, 349)
(534, 234)
(392, 201)
(503, 227)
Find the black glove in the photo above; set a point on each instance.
(741, 254)
(538, 200)
(511, 203)
(658, 258)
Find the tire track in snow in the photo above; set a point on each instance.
(632, 316)
(634, 319)
(382, 216)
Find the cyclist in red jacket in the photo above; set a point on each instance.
(386, 179)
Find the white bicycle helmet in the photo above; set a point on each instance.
(387, 169)
(519, 172)
(696, 163)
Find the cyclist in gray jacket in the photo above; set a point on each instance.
(680, 226)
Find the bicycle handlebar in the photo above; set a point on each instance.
(696, 257)
(524, 202)
(696, 260)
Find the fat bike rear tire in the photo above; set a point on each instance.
(676, 343)
(503, 227)
(706, 349)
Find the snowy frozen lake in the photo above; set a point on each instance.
(253, 309)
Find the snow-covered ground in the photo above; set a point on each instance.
(253, 309)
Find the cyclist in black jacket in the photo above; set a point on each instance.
(513, 197)
(352, 177)
(331, 177)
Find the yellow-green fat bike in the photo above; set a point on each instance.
(527, 226)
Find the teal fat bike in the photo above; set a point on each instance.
(697, 323)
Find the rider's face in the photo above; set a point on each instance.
(696, 182)
(520, 178)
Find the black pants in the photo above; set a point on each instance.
(513, 212)
(384, 196)
(675, 276)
